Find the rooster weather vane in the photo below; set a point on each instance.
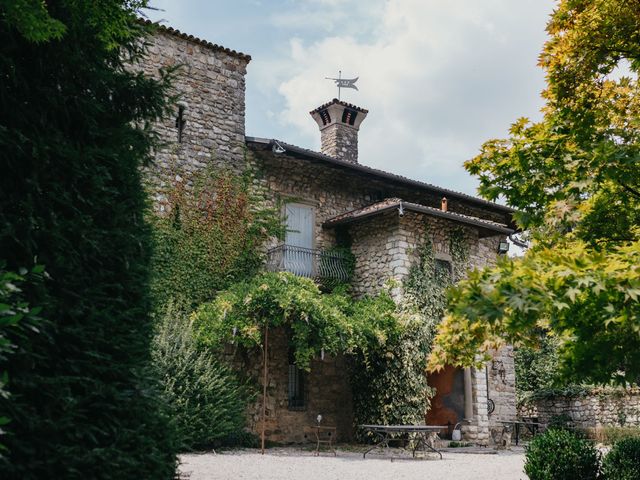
(344, 82)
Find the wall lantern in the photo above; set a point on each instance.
(503, 247)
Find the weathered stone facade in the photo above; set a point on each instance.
(502, 384)
(341, 142)
(211, 86)
(595, 408)
(327, 392)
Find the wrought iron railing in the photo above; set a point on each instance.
(320, 265)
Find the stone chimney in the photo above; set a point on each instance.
(339, 123)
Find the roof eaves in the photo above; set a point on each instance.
(205, 43)
(304, 153)
(484, 226)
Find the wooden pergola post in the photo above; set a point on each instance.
(264, 383)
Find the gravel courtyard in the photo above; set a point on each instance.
(282, 464)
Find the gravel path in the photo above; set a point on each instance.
(282, 464)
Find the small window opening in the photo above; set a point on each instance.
(326, 118)
(180, 122)
(296, 385)
(349, 116)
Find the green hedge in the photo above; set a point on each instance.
(73, 138)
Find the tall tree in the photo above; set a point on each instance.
(74, 133)
(575, 180)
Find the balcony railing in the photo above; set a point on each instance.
(320, 265)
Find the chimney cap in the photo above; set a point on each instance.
(339, 102)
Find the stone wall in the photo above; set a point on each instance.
(327, 392)
(502, 385)
(212, 83)
(379, 246)
(592, 409)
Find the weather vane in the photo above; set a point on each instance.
(344, 82)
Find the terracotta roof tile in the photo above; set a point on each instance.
(199, 41)
(339, 102)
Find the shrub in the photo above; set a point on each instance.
(206, 400)
(623, 461)
(561, 454)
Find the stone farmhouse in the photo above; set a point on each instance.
(331, 197)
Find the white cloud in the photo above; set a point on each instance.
(439, 78)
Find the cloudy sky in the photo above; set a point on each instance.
(439, 77)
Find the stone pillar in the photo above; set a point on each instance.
(477, 430)
(468, 395)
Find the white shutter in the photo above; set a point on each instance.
(299, 258)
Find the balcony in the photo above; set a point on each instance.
(325, 267)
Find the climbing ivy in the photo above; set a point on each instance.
(209, 235)
(391, 386)
(459, 249)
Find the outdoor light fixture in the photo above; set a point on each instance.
(503, 247)
(277, 148)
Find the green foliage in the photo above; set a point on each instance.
(390, 385)
(211, 237)
(459, 248)
(536, 368)
(574, 179)
(560, 454)
(623, 460)
(386, 345)
(31, 19)
(588, 301)
(329, 322)
(82, 403)
(206, 399)
(17, 318)
(426, 284)
(547, 393)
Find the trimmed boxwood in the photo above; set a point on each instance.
(561, 454)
